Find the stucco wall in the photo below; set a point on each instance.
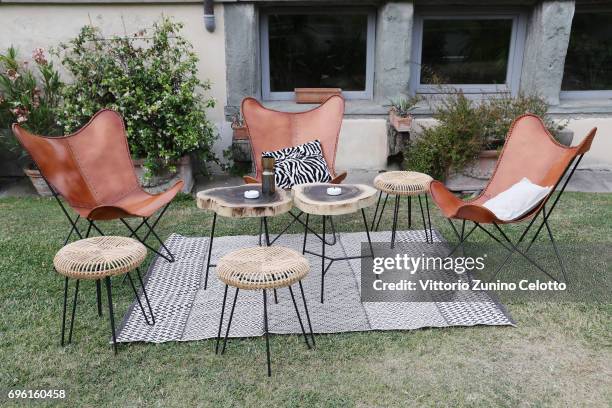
(600, 155)
(362, 145)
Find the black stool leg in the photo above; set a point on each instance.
(423, 217)
(429, 219)
(74, 304)
(409, 212)
(99, 296)
(395, 214)
(265, 300)
(221, 320)
(64, 311)
(210, 244)
(381, 212)
(307, 314)
(229, 323)
(110, 312)
(299, 317)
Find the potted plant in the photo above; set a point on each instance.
(239, 129)
(495, 116)
(315, 95)
(30, 96)
(150, 78)
(468, 136)
(399, 114)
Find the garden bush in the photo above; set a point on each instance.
(465, 127)
(150, 78)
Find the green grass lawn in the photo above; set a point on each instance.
(558, 355)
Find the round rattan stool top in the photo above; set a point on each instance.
(99, 257)
(403, 182)
(262, 268)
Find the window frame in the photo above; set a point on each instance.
(588, 94)
(515, 53)
(264, 49)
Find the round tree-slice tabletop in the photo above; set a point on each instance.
(313, 198)
(230, 202)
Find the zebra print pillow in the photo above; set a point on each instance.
(299, 165)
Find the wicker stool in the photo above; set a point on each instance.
(100, 258)
(262, 268)
(403, 183)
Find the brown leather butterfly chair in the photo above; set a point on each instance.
(529, 151)
(271, 130)
(93, 171)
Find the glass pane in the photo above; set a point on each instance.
(465, 51)
(588, 64)
(317, 50)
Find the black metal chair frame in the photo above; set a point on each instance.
(428, 236)
(107, 281)
(324, 243)
(265, 317)
(514, 247)
(133, 231)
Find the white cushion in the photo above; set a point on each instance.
(517, 201)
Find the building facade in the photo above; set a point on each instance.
(375, 51)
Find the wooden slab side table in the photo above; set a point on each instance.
(230, 202)
(313, 199)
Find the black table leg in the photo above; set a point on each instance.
(210, 244)
(323, 261)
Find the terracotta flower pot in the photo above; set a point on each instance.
(400, 124)
(165, 179)
(482, 168)
(315, 95)
(38, 182)
(240, 132)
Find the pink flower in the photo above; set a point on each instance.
(12, 74)
(21, 113)
(38, 55)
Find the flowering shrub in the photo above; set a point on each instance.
(150, 78)
(29, 95)
(465, 128)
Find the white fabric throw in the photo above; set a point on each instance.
(518, 200)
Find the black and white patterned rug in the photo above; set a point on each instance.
(185, 311)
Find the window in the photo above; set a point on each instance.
(478, 53)
(312, 49)
(588, 63)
